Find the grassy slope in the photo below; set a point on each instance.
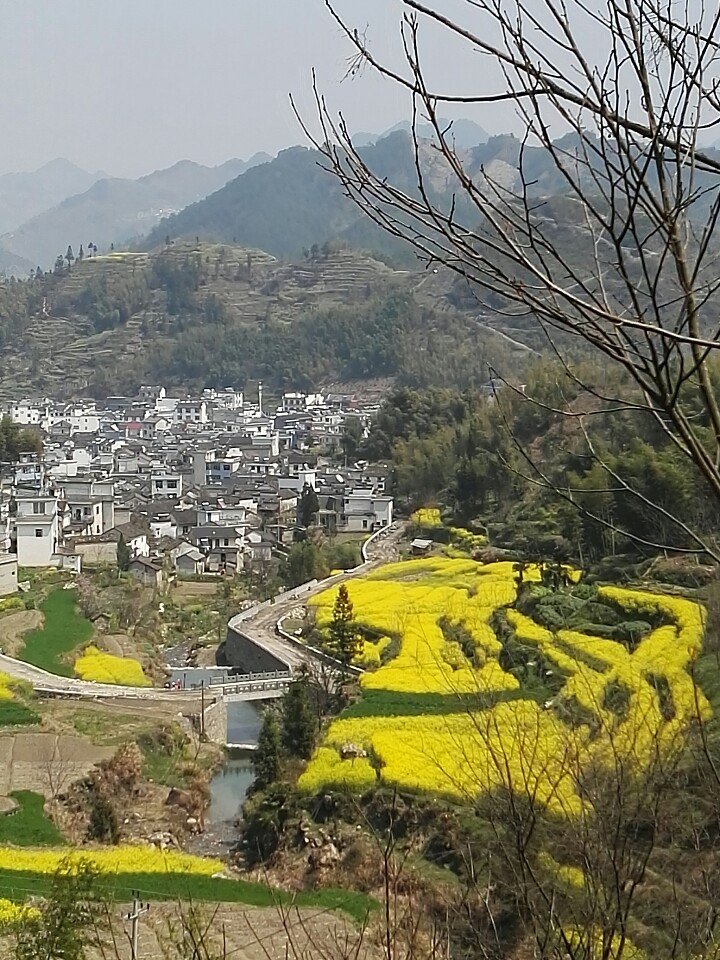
(65, 629)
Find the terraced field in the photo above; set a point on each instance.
(462, 708)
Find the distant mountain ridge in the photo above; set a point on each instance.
(463, 133)
(292, 203)
(24, 195)
(115, 210)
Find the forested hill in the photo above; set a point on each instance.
(290, 204)
(210, 315)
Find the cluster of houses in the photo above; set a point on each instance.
(197, 485)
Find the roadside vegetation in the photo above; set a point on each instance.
(17, 707)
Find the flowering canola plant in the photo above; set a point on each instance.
(6, 687)
(105, 668)
(15, 914)
(427, 517)
(445, 717)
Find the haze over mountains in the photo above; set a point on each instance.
(24, 195)
(43, 211)
(107, 209)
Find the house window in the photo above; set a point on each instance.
(227, 543)
(38, 532)
(38, 508)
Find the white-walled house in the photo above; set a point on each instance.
(366, 511)
(31, 413)
(221, 470)
(29, 471)
(165, 484)
(91, 504)
(36, 529)
(191, 411)
(357, 511)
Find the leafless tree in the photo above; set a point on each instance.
(620, 255)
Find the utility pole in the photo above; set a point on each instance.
(202, 707)
(138, 910)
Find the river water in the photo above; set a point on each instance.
(230, 784)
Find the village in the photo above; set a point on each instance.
(184, 487)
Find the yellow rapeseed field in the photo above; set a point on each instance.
(443, 716)
(106, 668)
(107, 860)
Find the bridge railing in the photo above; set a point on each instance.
(249, 678)
(254, 686)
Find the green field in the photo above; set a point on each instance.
(14, 713)
(64, 630)
(28, 826)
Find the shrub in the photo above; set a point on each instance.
(427, 518)
(11, 603)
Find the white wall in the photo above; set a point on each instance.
(8, 576)
(34, 551)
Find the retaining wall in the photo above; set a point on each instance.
(245, 654)
(215, 722)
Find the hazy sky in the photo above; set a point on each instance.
(129, 86)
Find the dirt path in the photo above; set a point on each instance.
(14, 626)
(247, 933)
(46, 762)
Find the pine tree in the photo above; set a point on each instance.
(123, 554)
(308, 506)
(298, 719)
(345, 641)
(266, 759)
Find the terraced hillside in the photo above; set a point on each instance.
(112, 321)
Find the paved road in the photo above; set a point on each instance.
(44, 682)
(261, 628)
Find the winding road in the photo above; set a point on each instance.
(258, 624)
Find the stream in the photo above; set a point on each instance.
(230, 784)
